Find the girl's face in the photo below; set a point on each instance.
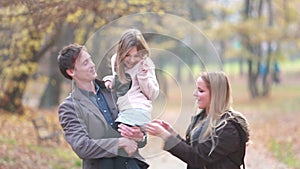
(202, 94)
(132, 58)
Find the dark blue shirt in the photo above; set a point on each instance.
(100, 102)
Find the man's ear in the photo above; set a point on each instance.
(70, 72)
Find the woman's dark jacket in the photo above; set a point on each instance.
(228, 153)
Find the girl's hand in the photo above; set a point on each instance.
(108, 84)
(144, 67)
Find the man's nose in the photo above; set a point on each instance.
(92, 63)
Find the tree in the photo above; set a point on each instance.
(264, 48)
(22, 44)
(256, 31)
(29, 29)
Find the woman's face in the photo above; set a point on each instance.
(132, 58)
(202, 94)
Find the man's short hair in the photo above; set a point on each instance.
(67, 57)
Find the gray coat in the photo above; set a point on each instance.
(86, 129)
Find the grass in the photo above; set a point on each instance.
(284, 152)
(19, 147)
(275, 119)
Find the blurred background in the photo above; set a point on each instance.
(256, 42)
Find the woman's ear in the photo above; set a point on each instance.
(70, 72)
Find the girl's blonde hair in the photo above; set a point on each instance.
(129, 39)
(220, 103)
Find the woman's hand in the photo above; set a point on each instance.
(134, 133)
(156, 129)
(165, 125)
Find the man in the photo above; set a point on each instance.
(87, 117)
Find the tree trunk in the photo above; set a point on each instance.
(266, 83)
(241, 66)
(267, 80)
(11, 98)
(252, 78)
(52, 91)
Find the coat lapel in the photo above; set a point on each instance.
(88, 104)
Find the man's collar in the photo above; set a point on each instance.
(97, 87)
(90, 93)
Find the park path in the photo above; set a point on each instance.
(258, 157)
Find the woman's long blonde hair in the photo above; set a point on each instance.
(220, 103)
(129, 39)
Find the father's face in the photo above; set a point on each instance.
(84, 69)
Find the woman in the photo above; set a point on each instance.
(217, 135)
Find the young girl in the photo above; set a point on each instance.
(134, 82)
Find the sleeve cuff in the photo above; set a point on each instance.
(171, 142)
(108, 78)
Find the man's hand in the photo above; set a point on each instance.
(130, 146)
(133, 133)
